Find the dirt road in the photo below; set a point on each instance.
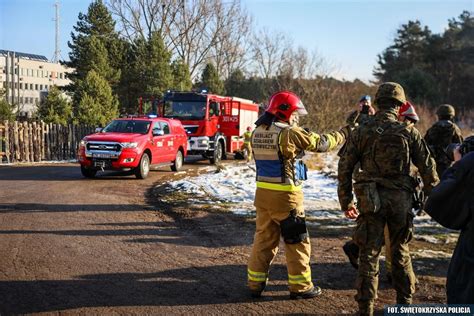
(126, 246)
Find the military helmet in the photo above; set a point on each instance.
(390, 90)
(445, 110)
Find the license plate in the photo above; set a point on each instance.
(101, 155)
(100, 164)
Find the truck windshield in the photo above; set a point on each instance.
(127, 126)
(187, 110)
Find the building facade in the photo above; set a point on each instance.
(27, 78)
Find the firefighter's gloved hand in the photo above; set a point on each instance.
(346, 131)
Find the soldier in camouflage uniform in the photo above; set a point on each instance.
(441, 134)
(406, 114)
(384, 147)
(278, 145)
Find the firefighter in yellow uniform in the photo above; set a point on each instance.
(247, 136)
(278, 145)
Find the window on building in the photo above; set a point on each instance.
(37, 100)
(41, 87)
(60, 75)
(21, 100)
(31, 99)
(31, 86)
(21, 86)
(36, 86)
(21, 71)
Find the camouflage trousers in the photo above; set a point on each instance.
(394, 210)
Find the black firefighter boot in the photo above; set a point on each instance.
(257, 293)
(313, 292)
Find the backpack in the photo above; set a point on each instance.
(438, 137)
(390, 150)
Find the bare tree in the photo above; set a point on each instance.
(230, 51)
(269, 50)
(194, 30)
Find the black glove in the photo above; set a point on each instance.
(346, 130)
(352, 118)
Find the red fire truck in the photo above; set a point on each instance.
(213, 123)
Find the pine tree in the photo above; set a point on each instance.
(147, 72)
(235, 84)
(210, 80)
(181, 77)
(156, 67)
(6, 110)
(99, 25)
(55, 108)
(97, 105)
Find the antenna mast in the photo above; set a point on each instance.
(57, 51)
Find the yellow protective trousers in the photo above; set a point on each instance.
(265, 248)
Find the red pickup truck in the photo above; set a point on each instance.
(134, 144)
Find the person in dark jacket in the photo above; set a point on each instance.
(451, 204)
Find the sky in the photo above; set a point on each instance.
(348, 34)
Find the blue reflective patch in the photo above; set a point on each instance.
(268, 168)
(301, 171)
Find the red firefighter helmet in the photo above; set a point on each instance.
(407, 110)
(249, 129)
(284, 103)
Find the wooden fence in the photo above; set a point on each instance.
(38, 141)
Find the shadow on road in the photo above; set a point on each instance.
(42, 208)
(220, 284)
(61, 172)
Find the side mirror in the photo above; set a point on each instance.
(158, 132)
(98, 129)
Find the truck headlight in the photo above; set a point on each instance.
(82, 143)
(129, 145)
(203, 142)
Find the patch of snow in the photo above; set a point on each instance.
(428, 238)
(236, 184)
(428, 253)
(38, 162)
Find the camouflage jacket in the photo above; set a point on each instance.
(383, 162)
(439, 136)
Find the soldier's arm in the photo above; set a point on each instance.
(457, 137)
(347, 163)
(424, 161)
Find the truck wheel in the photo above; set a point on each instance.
(88, 173)
(217, 156)
(141, 172)
(178, 161)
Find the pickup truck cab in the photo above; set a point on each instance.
(134, 143)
